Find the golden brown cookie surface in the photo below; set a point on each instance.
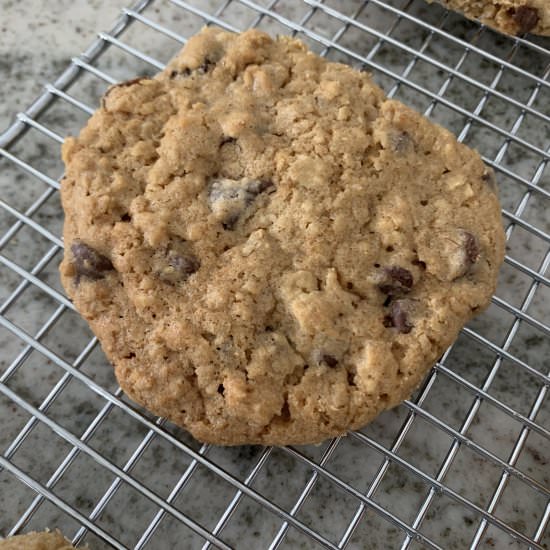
(269, 250)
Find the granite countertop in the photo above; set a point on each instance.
(37, 40)
(53, 33)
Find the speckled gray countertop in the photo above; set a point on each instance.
(37, 40)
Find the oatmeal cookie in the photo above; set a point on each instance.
(269, 250)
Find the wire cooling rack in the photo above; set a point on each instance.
(463, 463)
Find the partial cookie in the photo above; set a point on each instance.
(44, 540)
(507, 16)
(268, 249)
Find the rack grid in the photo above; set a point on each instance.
(462, 464)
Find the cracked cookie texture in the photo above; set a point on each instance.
(268, 249)
(508, 16)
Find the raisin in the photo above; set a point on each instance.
(88, 262)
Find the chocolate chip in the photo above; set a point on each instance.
(398, 280)
(88, 262)
(229, 199)
(328, 360)
(398, 317)
(525, 17)
(179, 267)
(471, 248)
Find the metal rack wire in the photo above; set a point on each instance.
(463, 463)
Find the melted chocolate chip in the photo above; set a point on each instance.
(525, 17)
(230, 198)
(88, 262)
(398, 281)
(398, 317)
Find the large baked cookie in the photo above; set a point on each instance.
(507, 16)
(268, 249)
